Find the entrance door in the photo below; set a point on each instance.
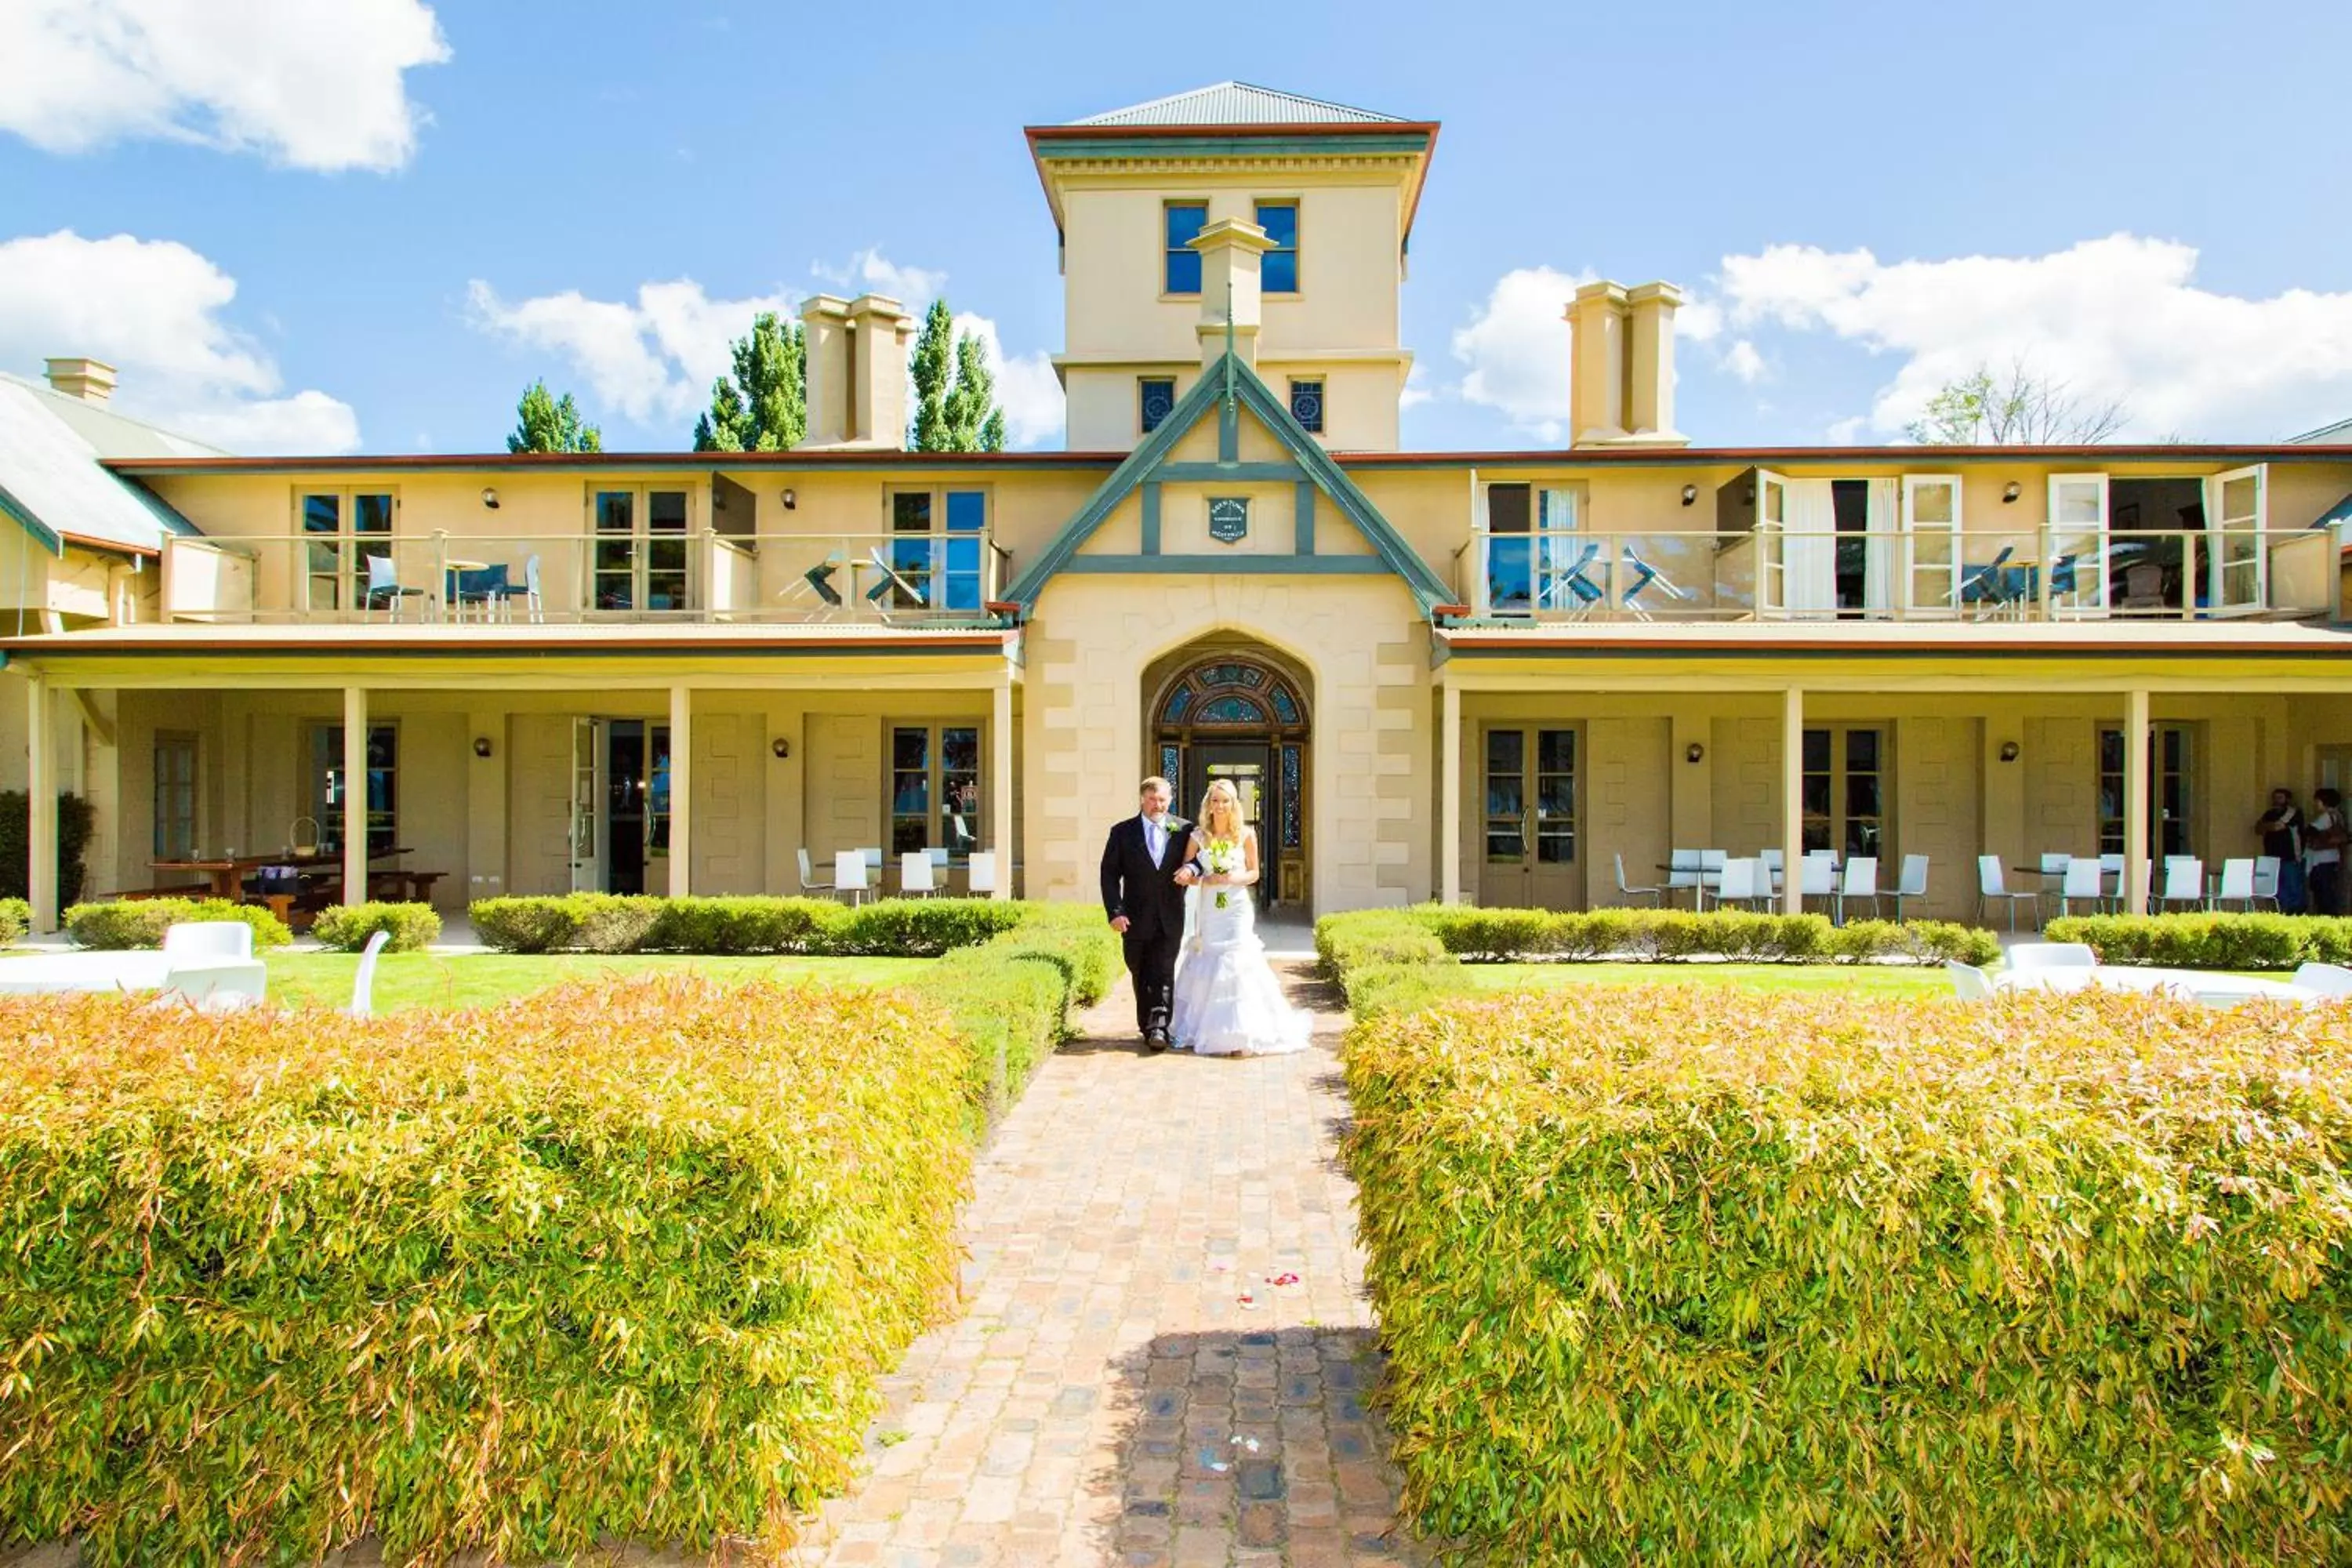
(1530, 843)
(2171, 782)
(1250, 769)
(2238, 556)
(587, 806)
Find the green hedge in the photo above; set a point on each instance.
(412, 927)
(1645, 935)
(16, 919)
(610, 922)
(469, 1280)
(2210, 942)
(1012, 998)
(141, 922)
(1708, 1276)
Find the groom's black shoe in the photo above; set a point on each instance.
(1155, 1041)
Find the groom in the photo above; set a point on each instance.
(1143, 881)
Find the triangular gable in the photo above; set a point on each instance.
(1195, 405)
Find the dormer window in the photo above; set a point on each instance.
(1278, 272)
(1185, 222)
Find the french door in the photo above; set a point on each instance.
(1528, 836)
(587, 807)
(341, 529)
(639, 546)
(2237, 556)
(1931, 542)
(2078, 547)
(2171, 785)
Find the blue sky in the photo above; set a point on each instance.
(369, 225)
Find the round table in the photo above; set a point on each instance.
(450, 567)
(2197, 985)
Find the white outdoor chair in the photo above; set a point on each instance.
(849, 874)
(1742, 881)
(2266, 881)
(914, 878)
(2111, 871)
(1657, 896)
(1970, 983)
(534, 602)
(809, 884)
(872, 865)
(209, 940)
(215, 985)
(1990, 889)
(1861, 882)
(1710, 873)
(1914, 884)
(1682, 872)
(2085, 883)
(2326, 979)
(2051, 956)
(363, 981)
(1816, 878)
(938, 855)
(1775, 865)
(384, 586)
(2237, 885)
(2184, 883)
(979, 873)
(2053, 874)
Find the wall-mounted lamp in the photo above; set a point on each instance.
(2011, 491)
(2009, 751)
(1690, 494)
(490, 498)
(481, 745)
(1694, 752)
(790, 501)
(781, 747)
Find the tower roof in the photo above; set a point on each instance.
(1238, 103)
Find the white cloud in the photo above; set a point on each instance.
(1742, 360)
(2119, 318)
(156, 310)
(1026, 388)
(1698, 322)
(1516, 349)
(871, 272)
(1416, 390)
(310, 85)
(651, 359)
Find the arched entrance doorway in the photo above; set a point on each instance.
(1235, 710)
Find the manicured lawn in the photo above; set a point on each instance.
(466, 980)
(1850, 980)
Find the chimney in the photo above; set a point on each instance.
(91, 381)
(825, 320)
(1621, 379)
(857, 370)
(1230, 251)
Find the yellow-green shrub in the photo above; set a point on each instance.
(411, 927)
(1011, 997)
(2210, 942)
(141, 922)
(1718, 1277)
(616, 922)
(500, 1279)
(15, 919)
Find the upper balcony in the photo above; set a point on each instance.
(946, 579)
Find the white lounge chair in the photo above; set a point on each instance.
(2326, 979)
(1969, 984)
(363, 980)
(2051, 956)
(209, 940)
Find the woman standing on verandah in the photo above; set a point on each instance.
(1228, 1002)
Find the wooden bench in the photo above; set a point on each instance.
(185, 890)
(403, 887)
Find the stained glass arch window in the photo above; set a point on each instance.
(1232, 693)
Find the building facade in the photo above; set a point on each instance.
(1511, 676)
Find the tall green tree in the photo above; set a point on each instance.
(955, 393)
(544, 423)
(764, 407)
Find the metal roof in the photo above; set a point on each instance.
(52, 482)
(1238, 103)
(2327, 434)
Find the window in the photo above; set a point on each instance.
(1535, 559)
(1185, 220)
(326, 786)
(1278, 271)
(1307, 402)
(935, 789)
(1155, 400)
(1512, 829)
(176, 796)
(341, 529)
(935, 568)
(2169, 777)
(640, 549)
(1844, 791)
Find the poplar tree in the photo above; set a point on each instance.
(763, 408)
(547, 424)
(955, 393)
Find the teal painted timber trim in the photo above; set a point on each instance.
(11, 508)
(1239, 564)
(1151, 516)
(1229, 434)
(1049, 149)
(1230, 473)
(1304, 540)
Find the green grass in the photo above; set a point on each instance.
(471, 980)
(1850, 980)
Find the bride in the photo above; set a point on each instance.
(1228, 1002)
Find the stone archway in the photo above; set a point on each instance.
(1227, 706)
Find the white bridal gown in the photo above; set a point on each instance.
(1228, 1002)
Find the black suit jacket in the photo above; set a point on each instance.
(1133, 886)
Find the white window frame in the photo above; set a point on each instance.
(2093, 546)
(350, 574)
(641, 539)
(2222, 529)
(1939, 571)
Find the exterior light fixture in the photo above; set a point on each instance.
(1690, 494)
(481, 745)
(2011, 491)
(1694, 752)
(790, 501)
(490, 498)
(781, 747)
(2009, 751)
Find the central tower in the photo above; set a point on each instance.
(1297, 211)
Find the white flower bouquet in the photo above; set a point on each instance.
(1222, 860)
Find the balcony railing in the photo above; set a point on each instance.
(910, 579)
(2043, 575)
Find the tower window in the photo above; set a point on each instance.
(1278, 272)
(1155, 397)
(1185, 220)
(1307, 403)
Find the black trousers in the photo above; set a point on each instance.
(2328, 889)
(1151, 963)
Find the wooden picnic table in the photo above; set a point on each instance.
(227, 876)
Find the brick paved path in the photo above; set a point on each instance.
(1107, 1398)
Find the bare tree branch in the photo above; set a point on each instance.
(2018, 408)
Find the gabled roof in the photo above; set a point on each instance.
(1237, 103)
(2327, 434)
(52, 480)
(1252, 393)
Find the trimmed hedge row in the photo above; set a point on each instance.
(1700, 1275)
(1652, 935)
(412, 927)
(16, 919)
(1011, 997)
(2210, 942)
(470, 1280)
(141, 922)
(612, 922)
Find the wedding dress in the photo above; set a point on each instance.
(1228, 1002)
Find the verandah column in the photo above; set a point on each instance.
(1792, 800)
(1449, 796)
(41, 784)
(2135, 867)
(681, 789)
(1000, 784)
(355, 794)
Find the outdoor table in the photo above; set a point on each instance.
(450, 566)
(227, 876)
(2201, 986)
(123, 971)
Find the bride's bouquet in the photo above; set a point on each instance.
(1223, 859)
